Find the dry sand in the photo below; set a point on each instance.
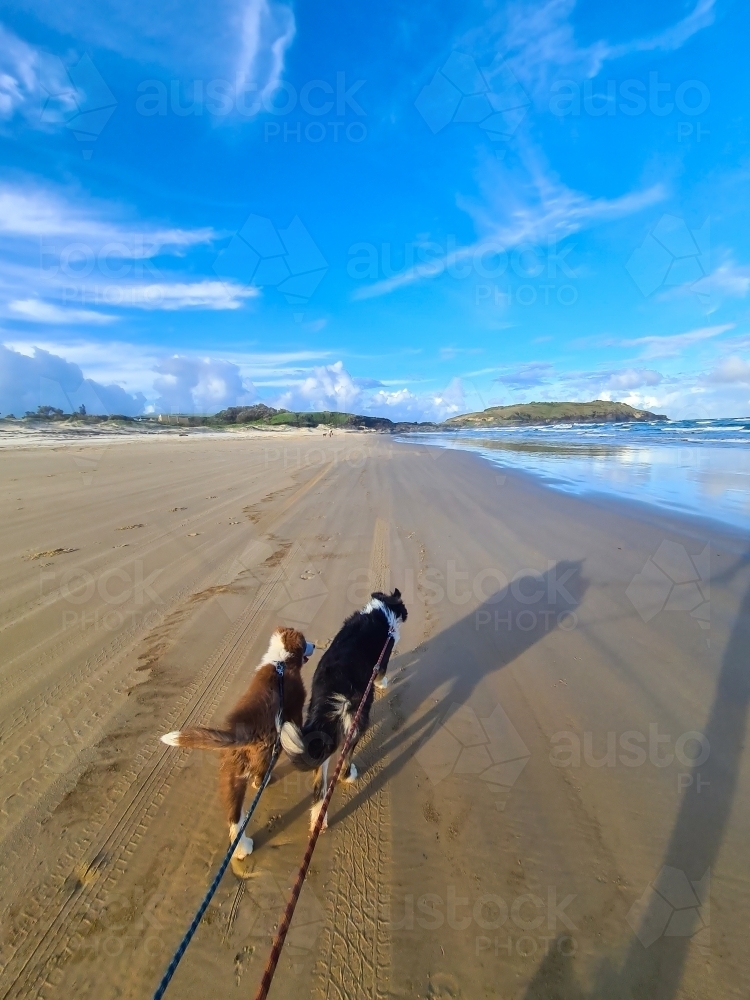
(141, 579)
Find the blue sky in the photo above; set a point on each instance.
(409, 211)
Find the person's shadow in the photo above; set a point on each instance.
(447, 668)
(693, 847)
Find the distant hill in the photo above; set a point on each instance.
(596, 412)
(263, 415)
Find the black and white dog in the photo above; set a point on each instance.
(339, 682)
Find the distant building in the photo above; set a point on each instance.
(179, 419)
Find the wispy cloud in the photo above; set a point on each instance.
(243, 41)
(539, 41)
(37, 311)
(673, 345)
(267, 32)
(26, 73)
(187, 295)
(73, 255)
(31, 211)
(728, 279)
(526, 376)
(529, 204)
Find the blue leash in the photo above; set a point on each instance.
(182, 947)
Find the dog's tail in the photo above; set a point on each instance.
(309, 747)
(200, 738)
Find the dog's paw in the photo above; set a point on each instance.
(171, 739)
(352, 774)
(244, 848)
(314, 813)
(381, 683)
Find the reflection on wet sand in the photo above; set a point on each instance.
(700, 468)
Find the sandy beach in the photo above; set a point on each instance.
(553, 800)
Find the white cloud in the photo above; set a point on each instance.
(66, 250)
(527, 204)
(31, 211)
(267, 32)
(632, 378)
(181, 295)
(526, 376)
(133, 365)
(233, 40)
(674, 344)
(406, 405)
(329, 387)
(733, 370)
(25, 72)
(200, 385)
(540, 42)
(43, 378)
(37, 311)
(729, 278)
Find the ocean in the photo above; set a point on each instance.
(694, 467)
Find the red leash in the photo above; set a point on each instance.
(278, 943)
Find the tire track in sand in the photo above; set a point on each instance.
(355, 946)
(56, 917)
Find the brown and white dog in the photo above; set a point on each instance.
(246, 743)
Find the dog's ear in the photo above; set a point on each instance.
(397, 594)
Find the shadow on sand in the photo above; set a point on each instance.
(693, 848)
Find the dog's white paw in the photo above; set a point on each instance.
(353, 774)
(381, 683)
(314, 813)
(244, 848)
(172, 739)
(245, 845)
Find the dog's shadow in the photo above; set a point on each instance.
(450, 664)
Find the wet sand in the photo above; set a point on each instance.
(553, 800)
